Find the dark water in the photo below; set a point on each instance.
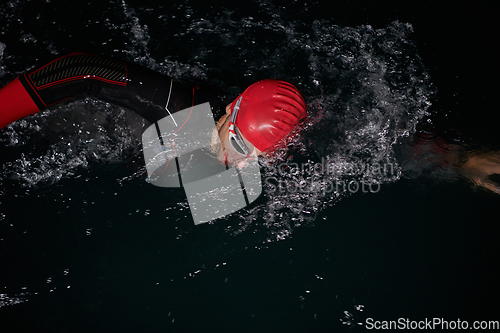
(88, 245)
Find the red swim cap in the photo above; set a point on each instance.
(269, 111)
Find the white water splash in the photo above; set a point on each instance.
(366, 89)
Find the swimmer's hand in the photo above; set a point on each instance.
(483, 169)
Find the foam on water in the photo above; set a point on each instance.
(366, 89)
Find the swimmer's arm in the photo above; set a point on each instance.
(15, 103)
(78, 75)
(480, 167)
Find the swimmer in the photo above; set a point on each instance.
(252, 124)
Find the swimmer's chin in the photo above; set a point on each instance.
(239, 163)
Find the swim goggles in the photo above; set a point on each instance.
(235, 138)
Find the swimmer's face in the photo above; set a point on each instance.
(227, 154)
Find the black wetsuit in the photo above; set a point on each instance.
(146, 92)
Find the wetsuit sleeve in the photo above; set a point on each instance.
(79, 74)
(15, 103)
